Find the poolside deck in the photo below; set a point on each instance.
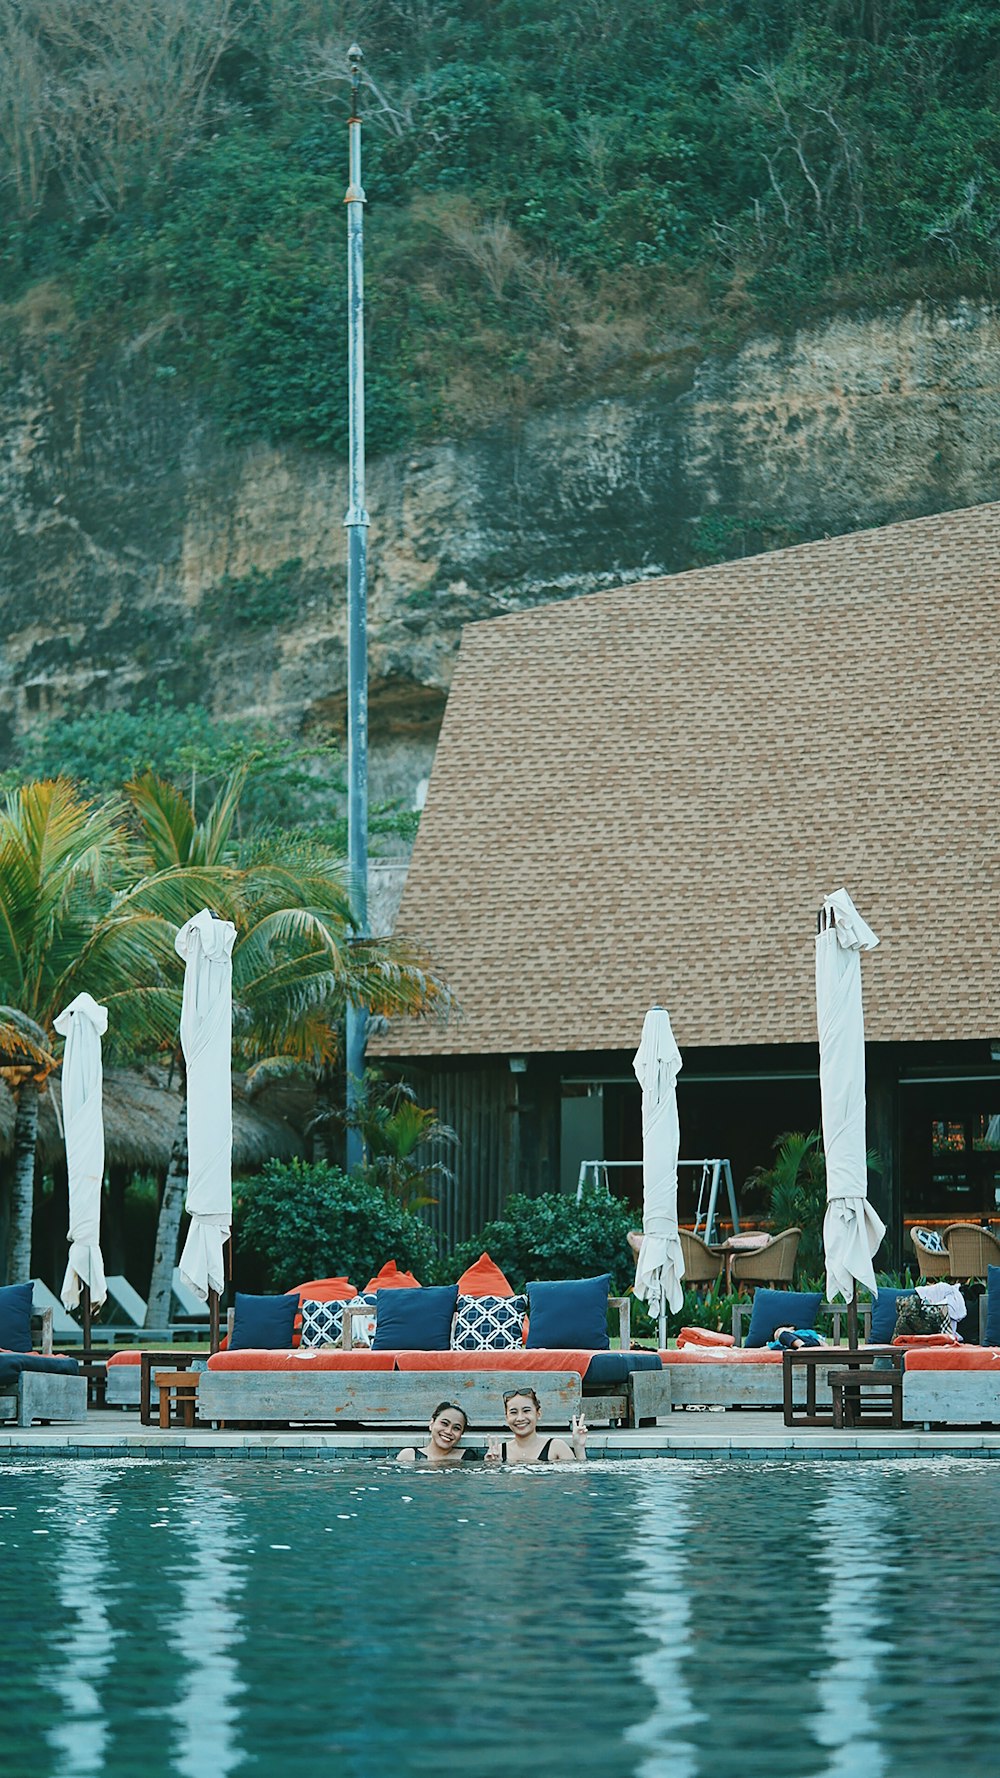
(740, 1433)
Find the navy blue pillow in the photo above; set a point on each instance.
(15, 1317)
(263, 1323)
(992, 1334)
(415, 1320)
(781, 1308)
(884, 1314)
(608, 1368)
(570, 1314)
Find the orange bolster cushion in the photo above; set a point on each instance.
(920, 1342)
(962, 1358)
(322, 1358)
(721, 1355)
(391, 1278)
(543, 1359)
(124, 1358)
(704, 1336)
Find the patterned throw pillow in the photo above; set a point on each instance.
(488, 1323)
(322, 1322)
(930, 1240)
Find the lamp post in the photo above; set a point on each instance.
(356, 525)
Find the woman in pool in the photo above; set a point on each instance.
(523, 1412)
(447, 1424)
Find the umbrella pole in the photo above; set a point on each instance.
(213, 1321)
(663, 1329)
(85, 1314)
(852, 1320)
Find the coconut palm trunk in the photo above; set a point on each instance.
(168, 1227)
(23, 1193)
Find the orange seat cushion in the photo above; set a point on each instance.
(391, 1278)
(124, 1358)
(484, 1279)
(323, 1358)
(545, 1359)
(961, 1358)
(721, 1355)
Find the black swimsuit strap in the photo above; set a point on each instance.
(543, 1455)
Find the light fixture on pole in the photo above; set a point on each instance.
(356, 525)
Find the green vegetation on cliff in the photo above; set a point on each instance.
(564, 195)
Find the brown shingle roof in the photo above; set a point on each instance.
(643, 795)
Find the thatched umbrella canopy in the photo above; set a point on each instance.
(140, 1121)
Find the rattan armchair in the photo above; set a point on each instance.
(701, 1265)
(971, 1250)
(773, 1264)
(929, 1263)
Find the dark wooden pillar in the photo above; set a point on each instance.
(885, 1189)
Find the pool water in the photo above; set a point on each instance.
(633, 1620)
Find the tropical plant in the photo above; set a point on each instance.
(75, 914)
(296, 1221)
(553, 1236)
(794, 1188)
(393, 1127)
(296, 961)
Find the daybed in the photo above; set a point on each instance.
(36, 1385)
(955, 1386)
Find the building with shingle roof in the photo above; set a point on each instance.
(643, 796)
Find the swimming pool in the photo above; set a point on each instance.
(636, 1620)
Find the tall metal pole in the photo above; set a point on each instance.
(356, 525)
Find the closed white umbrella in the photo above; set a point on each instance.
(852, 1232)
(206, 944)
(660, 1267)
(83, 1024)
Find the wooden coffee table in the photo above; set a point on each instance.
(180, 1387)
(845, 1360)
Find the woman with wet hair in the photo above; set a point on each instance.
(448, 1423)
(523, 1413)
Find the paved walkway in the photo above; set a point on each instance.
(738, 1434)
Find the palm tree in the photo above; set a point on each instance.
(295, 961)
(67, 923)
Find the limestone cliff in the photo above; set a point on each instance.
(141, 548)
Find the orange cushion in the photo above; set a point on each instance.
(484, 1279)
(721, 1355)
(391, 1278)
(704, 1336)
(324, 1290)
(919, 1342)
(322, 1358)
(953, 1358)
(124, 1358)
(544, 1359)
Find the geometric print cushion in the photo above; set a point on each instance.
(488, 1323)
(322, 1322)
(930, 1240)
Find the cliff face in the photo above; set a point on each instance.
(139, 548)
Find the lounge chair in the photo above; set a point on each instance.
(701, 1265)
(773, 1264)
(932, 1261)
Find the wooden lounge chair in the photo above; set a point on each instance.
(971, 1250)
(773, 1264)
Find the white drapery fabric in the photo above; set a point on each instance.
(852, 1232)
(657, 1063)
(83, 1024)
(206, 944)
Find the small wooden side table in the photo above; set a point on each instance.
(182, 1386)
(836, 1358)
(872, 1397)
(149, 1364)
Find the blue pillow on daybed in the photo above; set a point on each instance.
(415, 1320)
(263, 1323)
(569, 1314)
(781, 1308)
(15, 1317)
(884, 1314)
(992, 1335)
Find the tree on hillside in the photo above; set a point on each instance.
(296, 962)
(74, 915)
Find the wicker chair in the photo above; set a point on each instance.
(773, 1264)
(701, 1265)
(971, 1250)
(929, 1263)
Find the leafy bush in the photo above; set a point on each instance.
(302, 1220)
(795, 1190)
(554, 1237)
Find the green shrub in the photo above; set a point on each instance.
(554, 1237)
(302, 1220)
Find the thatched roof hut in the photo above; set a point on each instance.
(141, 1108)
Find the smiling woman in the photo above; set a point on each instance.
(523, 1412)
(447, 1425)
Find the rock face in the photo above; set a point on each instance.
(140, 549)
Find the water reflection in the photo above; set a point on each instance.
(662, 1600)
(852, 1524)
(206, 1630)
(85, 1641)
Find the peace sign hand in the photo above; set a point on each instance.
(494, 1451)
(578, 1435)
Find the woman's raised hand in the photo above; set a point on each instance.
(578, 1435)
(494, 1451)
